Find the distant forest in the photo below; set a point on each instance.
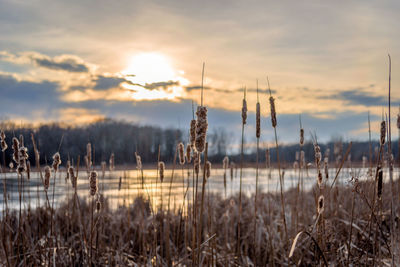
(123, 139)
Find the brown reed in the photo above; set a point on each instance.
(201, 128)
(161, 168)
(181, 150)
(112, 162)
(188, 153)
(47, 174)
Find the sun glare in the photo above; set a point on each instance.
(149, 68)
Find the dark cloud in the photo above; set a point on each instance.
(28, 99)
(227, 91)
(358, 96)
(164, 85)
(65, 64)
(104, 83)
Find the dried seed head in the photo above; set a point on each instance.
(225, 162)
(295, 165)
(71, 175)
(380, 181)
(120, 183)
(11, 165)
(273, 111)
(93, 183)
(297, 155)
(321, 204)
(112, 162)
(326, 169)
(232, 167)
(192, 133)
(181, 149)
(302, 159)
(383, 132)
(197, 161)
(258, 120)
(208, 169)
(22, 157)
(47, 174)
(2, 135)
(318, 155)
(201, 128)
(138, 161)
(98, 205)
(161, 167)
(3, 141)
(21, 140)
(301, 136)
(15, 147)
(56, 161)
(103, 168)
(188, 153)
(244, 111)
(88, 156)
(319, 179)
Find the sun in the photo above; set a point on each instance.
(149, 68)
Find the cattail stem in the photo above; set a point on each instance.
(238, 251)
(200, 230)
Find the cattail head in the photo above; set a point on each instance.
(321, 204)
(22, 157)
(383, 132)
(208, 169)
(138, 161)
(319, 179)
(188, 153)
(380, 181)
(161, 168)
(267, 158)
(192, 133)
(326, 168)
(93, 183)
(318, 155)
(56, 161)
(72, 176)
(225, 162)
(273, 111)
(120, 183)
(301, 136)
(98, 205)
(3, 141)
(15, 147)
(197, 161)
(89, 155)
(181, 150)
(103, 167)
(112, 162)
(244, 111)
(258, 120)
(201, 128)
(232, 167)
(47, 174)
(68, 165)
(21, 140)
(302, 159)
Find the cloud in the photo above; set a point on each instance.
(105, 83)
(358, 96)
(157, 85)
(69, 63)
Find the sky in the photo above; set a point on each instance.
(141, 61)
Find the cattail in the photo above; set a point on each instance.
(380, 181)
(192, 133)
(201, 128)
(98, 205)
(103, 168)
(225, 162)
(68, 166)
(301, 136)
(161, 167)
(3, 141)
(21, 140)
(56, 161)
(138, 161)
(120, 183)
(273, 112)
(11, 165)
(47, 174)
(232, 167)
(72, 176)
(319, 179)
(321, 204)
(295, 165)
(302, 159)
(383, 132)
(93, 183)
(208, 169)
(112, 162)
(89, 155)
(197, 161)
(15, 147)
(326, 168)
(188, 153)
(244, 111)
(318, 155)
(258, 121)
(181, 149)
(22, 157)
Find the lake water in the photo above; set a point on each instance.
(131, 185)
